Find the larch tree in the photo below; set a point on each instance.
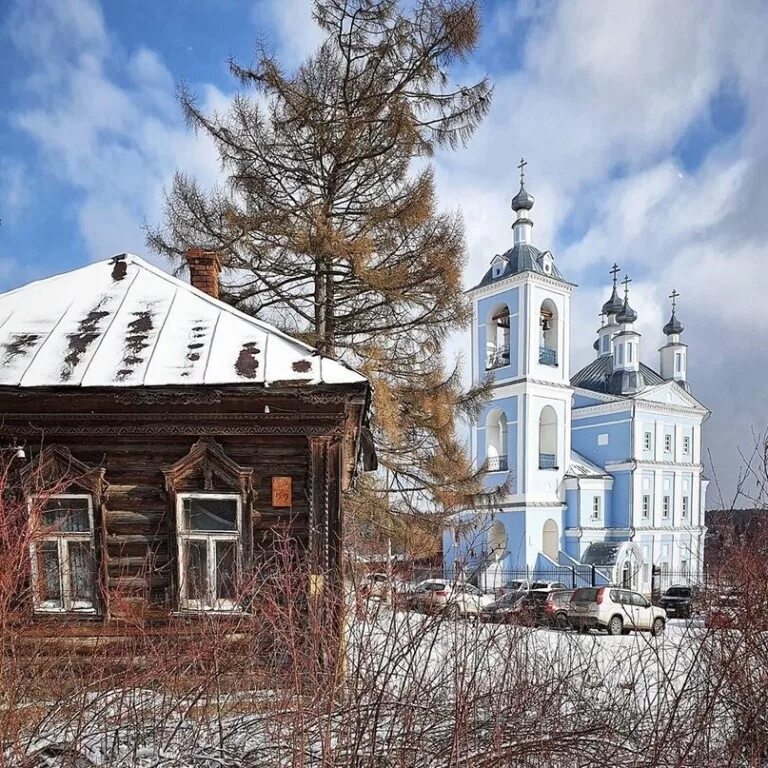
(328, 227)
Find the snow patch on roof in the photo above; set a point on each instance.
(123, 323)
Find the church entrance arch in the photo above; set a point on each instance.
(550, 544)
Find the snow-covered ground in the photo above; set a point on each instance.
(419, 691)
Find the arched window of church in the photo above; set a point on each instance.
(496, 441)
(548, 438)
(548, 339)
(497, 337)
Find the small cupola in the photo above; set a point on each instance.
(673, 356)
(628, 378)
(608, 325)
(522, 203)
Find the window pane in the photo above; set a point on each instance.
(48, 575)
(226, 559)
(206, 514)
(81, 574)
(66, 515)
(196, 568)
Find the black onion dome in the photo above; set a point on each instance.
(614, 305)
(523, 200)
(674, 326)
(627, 314)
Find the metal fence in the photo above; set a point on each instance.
(653, 582)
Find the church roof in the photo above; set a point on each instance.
(599, 376)
(521, 258)
(125, 323)
(581, 467)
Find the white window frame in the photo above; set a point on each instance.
(687, 444)
(597, 507)
(686, 506)
(646, 506)
(666, 504)
(667, 443)
(62, 540)
(212, 604)
(648, 441)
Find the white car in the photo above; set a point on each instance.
(617, 611)
(452, 598)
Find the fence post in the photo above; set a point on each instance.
(593, 579)
(573, 576)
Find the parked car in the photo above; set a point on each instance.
(525, 585)
(738, 608)
(724, 611)
(451, 598)
(515, 585)
(617, 611)
(549, 585)
(549, 607)
(682, 601)
(375, 586)
(506, 609)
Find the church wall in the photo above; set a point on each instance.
(602, 438)
(571, 517)
(514, 523)
(621, 501)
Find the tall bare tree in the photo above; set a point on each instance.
(328, 224)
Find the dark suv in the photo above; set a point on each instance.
(680, 601)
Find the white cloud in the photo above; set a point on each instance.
(607, 86)
(117, 144)
(605, 93)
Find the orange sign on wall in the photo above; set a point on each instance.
(282, 494)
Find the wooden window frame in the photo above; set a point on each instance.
(62, 540)
(212, 604)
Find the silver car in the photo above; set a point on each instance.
(451, 598)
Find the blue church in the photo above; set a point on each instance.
(598, 468)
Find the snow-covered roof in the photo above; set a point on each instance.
(581, 467)
(124, 323)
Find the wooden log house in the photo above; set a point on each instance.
(188, 437)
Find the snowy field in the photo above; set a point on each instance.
(419, 691)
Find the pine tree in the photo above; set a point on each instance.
(328, 225)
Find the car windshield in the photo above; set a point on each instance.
(678, 592)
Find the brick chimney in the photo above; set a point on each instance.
(204, 269)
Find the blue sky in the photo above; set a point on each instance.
(643, 125)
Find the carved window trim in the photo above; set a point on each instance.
(55, 467)
(208, 457)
